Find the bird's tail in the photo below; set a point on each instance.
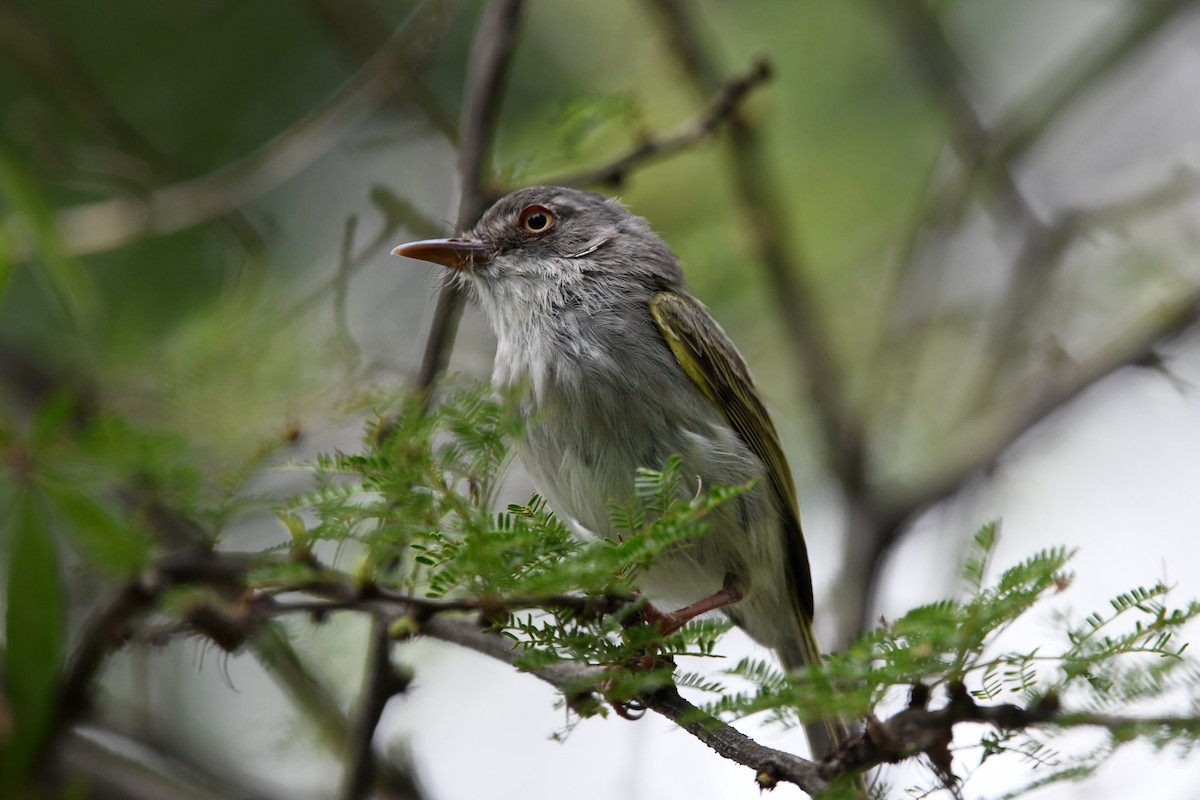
(831, 730)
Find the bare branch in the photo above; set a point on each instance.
(656, 148)
(491, 53)
(341, 287)
(1138, 345)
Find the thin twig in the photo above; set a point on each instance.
(491, 54)
(341, 287)
(1139, 344)
(656, 148)
(399, 214)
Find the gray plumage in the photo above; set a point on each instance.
(624, 368)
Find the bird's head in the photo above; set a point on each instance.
(546, 247)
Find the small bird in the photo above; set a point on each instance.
(623, 368)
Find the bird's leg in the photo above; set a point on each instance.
(667, 623)
(670, 621)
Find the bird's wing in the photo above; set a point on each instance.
(714, 365)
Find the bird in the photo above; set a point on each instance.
(620, 367)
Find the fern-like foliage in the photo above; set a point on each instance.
(417, 504)
(1120, 660)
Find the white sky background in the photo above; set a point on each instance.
(1117, 475)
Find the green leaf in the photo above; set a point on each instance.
(979, 555)
(112, 544)
(35, 631)
(66, 278)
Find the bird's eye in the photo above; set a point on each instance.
(536, 219)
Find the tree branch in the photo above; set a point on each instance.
(381, 684)
(721, 107)
(916, 730)
(1138, 345)
(491, 54)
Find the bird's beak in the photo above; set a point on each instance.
(453, 253)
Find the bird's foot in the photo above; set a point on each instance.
(668, 622)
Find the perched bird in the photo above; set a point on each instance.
(622, 368)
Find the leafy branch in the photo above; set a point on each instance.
(410, 514)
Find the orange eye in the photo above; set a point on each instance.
(536, 219)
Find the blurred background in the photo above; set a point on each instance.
(955, 239)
